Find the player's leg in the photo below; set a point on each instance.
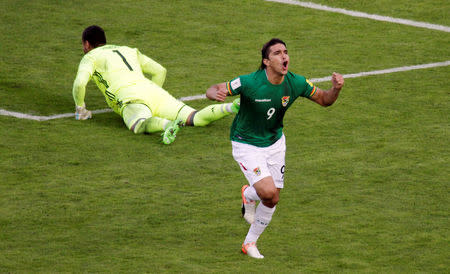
(269, 196)
(268, 190)
(249, 160)
(192, 117)
(212, 113)
(139, 119)
(140, 111)
(249, 198)
(264, 169)
(164, 105)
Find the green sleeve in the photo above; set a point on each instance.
(304, 87)
(234, 86)
(151, 67)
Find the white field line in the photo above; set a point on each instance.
(385, 71)
(44, 118)
(365, 15)
(202, 96)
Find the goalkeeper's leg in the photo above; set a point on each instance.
(212, 113)
(138, 118)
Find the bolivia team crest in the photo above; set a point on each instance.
(257, 171)
(285, 100)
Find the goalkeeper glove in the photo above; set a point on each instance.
(81, 113)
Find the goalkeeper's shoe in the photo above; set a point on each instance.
(248, 207)
(81, 113)
(236, 105)
(170, 133)
(251, 250)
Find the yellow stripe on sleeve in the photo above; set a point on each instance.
(228, 88)
(313, 92)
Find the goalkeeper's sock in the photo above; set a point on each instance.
(212, 113)
(263, 216)
(155, 124)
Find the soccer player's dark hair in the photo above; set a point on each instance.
(95, 35)
(265, 50)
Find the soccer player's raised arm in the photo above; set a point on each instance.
(153, 68)
(217, 92)
(328, 97)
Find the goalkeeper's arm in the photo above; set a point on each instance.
(78, 92)
(153, 68)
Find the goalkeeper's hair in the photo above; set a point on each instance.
(265, 50)
(95, 35)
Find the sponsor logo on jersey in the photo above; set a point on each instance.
(257, 171)
(263, 100)
(236, 83)
(285, 100)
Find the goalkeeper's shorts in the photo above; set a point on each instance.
(158, 100)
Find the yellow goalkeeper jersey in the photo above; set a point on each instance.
(114, 68)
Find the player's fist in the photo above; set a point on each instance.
(337, 80)
(217, 92)
(81, 113)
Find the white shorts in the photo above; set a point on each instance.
(259, 162)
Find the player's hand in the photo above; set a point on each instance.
(81, 113)
(337, 80)
(222, 93)
(217, 92)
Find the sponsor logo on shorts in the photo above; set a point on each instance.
(257, 171)
(285, 101)
(242, 166)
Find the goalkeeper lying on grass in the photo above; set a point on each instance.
(143, 104)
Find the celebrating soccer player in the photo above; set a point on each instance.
(143, 104)
(258, 142)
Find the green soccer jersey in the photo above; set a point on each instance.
(263, 105)
(113, 68)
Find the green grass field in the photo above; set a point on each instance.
(367, 180)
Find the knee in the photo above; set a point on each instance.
(275, 199)
(138, 127)
(270, 197)
(136, 131)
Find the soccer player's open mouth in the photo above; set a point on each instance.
(285, 64)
